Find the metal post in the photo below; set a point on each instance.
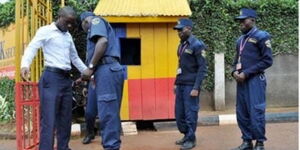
(219, 93)
(17, 42)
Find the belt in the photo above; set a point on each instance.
(57, 70)
(108, 60)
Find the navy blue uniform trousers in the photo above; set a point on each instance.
(186, 111)
(56, 110)
(109, 80)
(91, 109)
(250, 107)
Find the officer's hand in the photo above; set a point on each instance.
(236, 75)
(87, 73)
(174, 89)
(242, 77)
(194, 93)
(25, 73)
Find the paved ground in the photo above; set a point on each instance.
(281, 136)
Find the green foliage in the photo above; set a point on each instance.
(215, 25)
(7, 13)
(7, 103)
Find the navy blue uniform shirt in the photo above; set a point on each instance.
(192, 65)
(101, 28)
(257, 53)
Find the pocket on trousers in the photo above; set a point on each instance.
(260, 110)
(44, 80)
(116, 68)
(107, 97)
(195, 108)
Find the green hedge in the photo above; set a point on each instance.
(215, 25)
(7, 97)
(7, 13)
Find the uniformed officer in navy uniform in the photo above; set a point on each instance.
(253, 57)
(104, 57)
(191, 71)
(55, 85)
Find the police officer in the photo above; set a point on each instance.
(103, 57)
(253, 57)
(55, 85)
(191, 71)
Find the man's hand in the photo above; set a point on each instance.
(194, 92)
(236, 75)
(78, 81)
(87, 73)
(25, 73)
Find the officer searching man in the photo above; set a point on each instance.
(103, 54)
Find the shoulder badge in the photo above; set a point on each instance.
(268, 43)
(252, 40)
(189, 51)
(96, 21)
(203, 53)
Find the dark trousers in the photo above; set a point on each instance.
(109, 88)
(91, 109)
(56, 110)
(250, 108)
(186, 111)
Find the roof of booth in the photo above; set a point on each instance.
(143, 8)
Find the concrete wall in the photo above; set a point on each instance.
(282, 85)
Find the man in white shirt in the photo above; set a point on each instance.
(55, 83)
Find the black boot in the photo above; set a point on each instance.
(88, 138)
(259, 146)
(246, 145)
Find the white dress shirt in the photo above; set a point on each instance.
(58, 49)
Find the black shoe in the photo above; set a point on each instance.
(181, 141)
(87, 139)
(259, 146)
(245, 146)
(188, 145)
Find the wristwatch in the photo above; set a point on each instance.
(91, 66)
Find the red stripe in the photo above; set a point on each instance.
(148, 99)
(151, 99)
(135, 99)
(171, 99)
(162, 91)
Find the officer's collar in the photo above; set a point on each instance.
(251, 31)
(189, 40)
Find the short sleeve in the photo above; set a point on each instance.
(98, 28)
